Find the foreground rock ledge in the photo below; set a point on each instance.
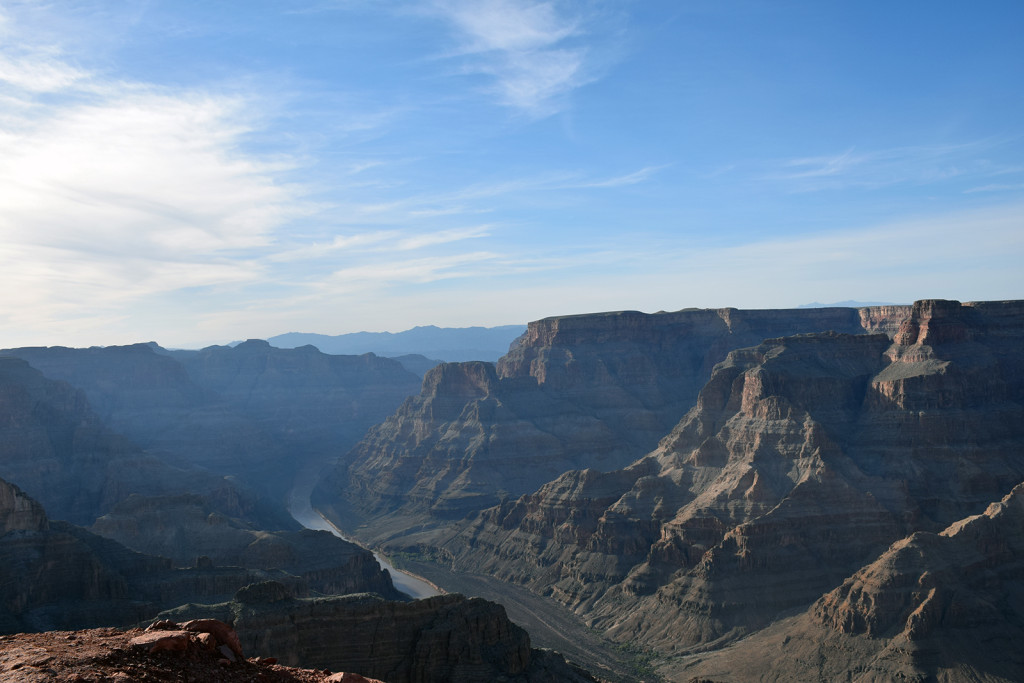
(173, 653)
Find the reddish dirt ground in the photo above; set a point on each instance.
(105, 655)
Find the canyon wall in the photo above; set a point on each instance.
(448, 638)
(18, 512)
(253, 411)
(943, 606)
(804, 456)
(573, 392)
(190, 529)
(58, 450)
(803, 459)
(55, 575)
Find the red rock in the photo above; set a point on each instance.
(207, 640)
(159, 641)
(346, 677)
(221, 631)
(163, 625)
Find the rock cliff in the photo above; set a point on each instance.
(802, 460)
(312, 402)
(448, 638)
(18, 512)
(56, 575)
(573, 392)
(191, 528)
(941, 606)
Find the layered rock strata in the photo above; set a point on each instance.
(447, 638)
(55, 575)
(192, 528)
(803, 459)
(313, 403)
(18, 512)
(941, 606)
(578, 391)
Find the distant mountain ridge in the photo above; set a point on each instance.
(450, 344)
(849, 303)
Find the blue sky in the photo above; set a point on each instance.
(197, 172)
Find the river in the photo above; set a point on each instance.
(303, 513)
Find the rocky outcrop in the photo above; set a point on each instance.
(445, 638)
(803, 459)
(108, 654)
(963, 577)
(941, 606)
(577, 391)
(191, 528)
(56, 575)
(18, 512)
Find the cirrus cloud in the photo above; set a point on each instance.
(525, 48)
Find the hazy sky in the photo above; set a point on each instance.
(197, 172)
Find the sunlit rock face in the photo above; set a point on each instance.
(803, 459)
(943, 606)
(578, 391)
(18, 512)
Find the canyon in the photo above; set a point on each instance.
(55, 576)
(803, 458)
(249, 411)
(706, 494)
(595, 390)
(443, 638)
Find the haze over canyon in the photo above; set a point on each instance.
(706, 494)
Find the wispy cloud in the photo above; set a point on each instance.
(430, 239)
(378, 241)
(483, 197)
(116, 191)
(142, 172)
(411, 271)
(446, 211)
(38, 73)
(913, 165)
(996, 187)
(529, 49)
(966, 255)
(508, 25)
(633, 178)
(816, 167)
(318, 250)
